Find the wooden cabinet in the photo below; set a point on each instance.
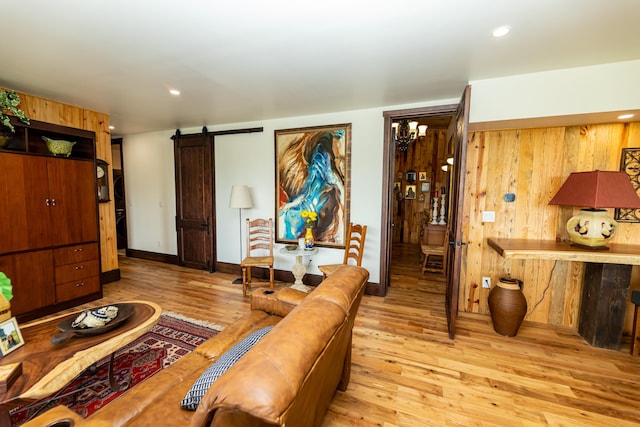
(49, 221)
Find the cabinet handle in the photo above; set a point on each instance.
(53, 202)
(47, 202)
(79, 284)
(78, 250)
(80, 267)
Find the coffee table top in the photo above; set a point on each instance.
(46, 367)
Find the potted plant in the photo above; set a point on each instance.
(9, 101)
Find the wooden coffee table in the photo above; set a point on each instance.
(46, 367)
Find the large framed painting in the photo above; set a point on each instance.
(313, 174)
(630, 163)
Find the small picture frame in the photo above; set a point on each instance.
(411, 176)
(410, 192)
(426, 187)
(10, 336)
(399, 175)
(422, 176)
(396, 186)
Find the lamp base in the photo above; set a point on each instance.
(591, 228)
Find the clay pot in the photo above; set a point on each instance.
(508, 306)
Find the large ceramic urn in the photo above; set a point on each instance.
(508, 306)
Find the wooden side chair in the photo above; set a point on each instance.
(438, 247)
(354, 249)
(259, 250)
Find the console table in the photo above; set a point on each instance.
(607, 274)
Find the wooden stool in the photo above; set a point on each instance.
(635, 339)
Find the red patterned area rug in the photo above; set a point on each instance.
(173, 337)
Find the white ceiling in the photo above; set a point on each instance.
(246, 60)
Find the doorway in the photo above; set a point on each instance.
(120, 205)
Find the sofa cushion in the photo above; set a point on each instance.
(219, 367)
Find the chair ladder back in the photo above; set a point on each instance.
(355, 243)
(260, 235)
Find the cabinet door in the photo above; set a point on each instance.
(73, 210)
(23, 211)
(32, 280)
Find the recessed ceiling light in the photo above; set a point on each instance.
(625, 116)
(501, 31)
(174, 91)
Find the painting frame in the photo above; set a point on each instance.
(10, 331)
(313, 173)
(410, 192)
(630, 164)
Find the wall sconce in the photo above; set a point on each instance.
(592, 228)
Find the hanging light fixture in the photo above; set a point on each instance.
(405, 132)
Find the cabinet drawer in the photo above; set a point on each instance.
(75, 254)
(77, 288)
(81, 270)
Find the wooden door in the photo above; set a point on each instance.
(455, 219)
(73, 201)
(194, 200)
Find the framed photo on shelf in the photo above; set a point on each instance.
(410, 192)
(313, 173)
(10, 336)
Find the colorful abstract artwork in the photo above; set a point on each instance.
(313, 169)
(630, 163)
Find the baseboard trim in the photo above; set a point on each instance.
(110, 276)
(152, 256)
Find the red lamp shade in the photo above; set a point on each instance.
(597, 189)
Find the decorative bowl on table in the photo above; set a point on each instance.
(291, 248)
(94, 321)
(59, 147)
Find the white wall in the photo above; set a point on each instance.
(150, 192)
(594, 89)
(249, 158)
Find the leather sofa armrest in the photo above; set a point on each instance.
(279, 302)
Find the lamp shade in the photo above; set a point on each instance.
(240, 197)
(597, 189)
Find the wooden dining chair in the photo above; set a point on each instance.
(259, 250)
(438, 247)
(353, 250)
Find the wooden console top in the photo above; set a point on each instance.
(563, 251)
(47, 367)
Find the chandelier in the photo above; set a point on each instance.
(405, 132)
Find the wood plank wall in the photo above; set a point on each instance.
(533, 164)
(46, 110)
(408, 214)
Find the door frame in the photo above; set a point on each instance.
(388, 162)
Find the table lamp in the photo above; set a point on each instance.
(592, 228)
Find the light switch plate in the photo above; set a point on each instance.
(488, 216)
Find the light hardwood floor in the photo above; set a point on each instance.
(407, 372)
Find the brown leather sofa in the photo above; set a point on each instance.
(289, 377)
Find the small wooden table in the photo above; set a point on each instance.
(46, 367)
(299, 269)
(607, 274)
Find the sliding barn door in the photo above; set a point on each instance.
(454, 255)
(194, 200)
